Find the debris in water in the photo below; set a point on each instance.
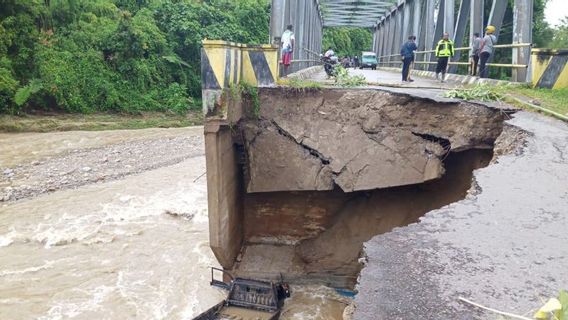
(184, 215)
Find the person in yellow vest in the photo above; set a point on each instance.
(444, 50)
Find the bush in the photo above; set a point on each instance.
(8, 86)
(344, 79)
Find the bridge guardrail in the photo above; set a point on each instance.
(425, 57)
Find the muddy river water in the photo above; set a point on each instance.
(131, 248)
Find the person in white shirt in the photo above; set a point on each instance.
(288, 39)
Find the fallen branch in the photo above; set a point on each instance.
(493, 310)
(199, 177)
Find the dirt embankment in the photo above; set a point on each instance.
(358, 139)
(326, 170)
(76, 159)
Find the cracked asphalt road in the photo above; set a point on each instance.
(505, 246)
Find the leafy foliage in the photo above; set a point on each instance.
(478, 92)
(344, 79)
(555, 308)
(347, 41)
(250, 93)
(300, 84)
(560, 39)
(24, 93)
(114, 55)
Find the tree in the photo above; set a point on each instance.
(347, 41)
(115, 55)
(560, 39)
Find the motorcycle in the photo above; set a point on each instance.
(329, 65)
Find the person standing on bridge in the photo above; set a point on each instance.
(407, 55)
(475, 46)
(486, 49)
(444, 50)
(288, 39)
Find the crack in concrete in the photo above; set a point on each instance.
(324, 160)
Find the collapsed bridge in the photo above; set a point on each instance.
(299, 178)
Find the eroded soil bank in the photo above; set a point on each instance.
(323, 243)
(324, 171)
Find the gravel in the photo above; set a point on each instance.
(81, 167)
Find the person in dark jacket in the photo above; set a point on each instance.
(407, 55)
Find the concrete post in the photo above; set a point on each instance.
(522, 33)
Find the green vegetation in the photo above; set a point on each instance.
(300, 84)
(555, 99)
(544, 36)
(555, 308)
(347, 41)
(560, 35)
(344, 79)
(117, 56)
(477, 93)
(96, 122)
(250, 93)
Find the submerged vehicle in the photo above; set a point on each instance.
(369, 60)
(247, 299)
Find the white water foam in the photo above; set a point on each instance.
(47, 265)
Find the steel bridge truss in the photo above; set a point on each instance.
(349, 13)
(394, 20)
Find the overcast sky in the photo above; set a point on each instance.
(555, 11)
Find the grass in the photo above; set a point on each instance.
(479, 93)
(251, 92)
(555, 99)
(96, 122)
(300, 84)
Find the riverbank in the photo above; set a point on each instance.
(96, 122)
(37, 163)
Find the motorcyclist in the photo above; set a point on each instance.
(329, 61)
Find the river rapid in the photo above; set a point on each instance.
(132, 248)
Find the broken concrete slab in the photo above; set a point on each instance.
(357, 140)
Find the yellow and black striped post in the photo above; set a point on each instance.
(224, 63)
(260, 65)
(549, 68)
